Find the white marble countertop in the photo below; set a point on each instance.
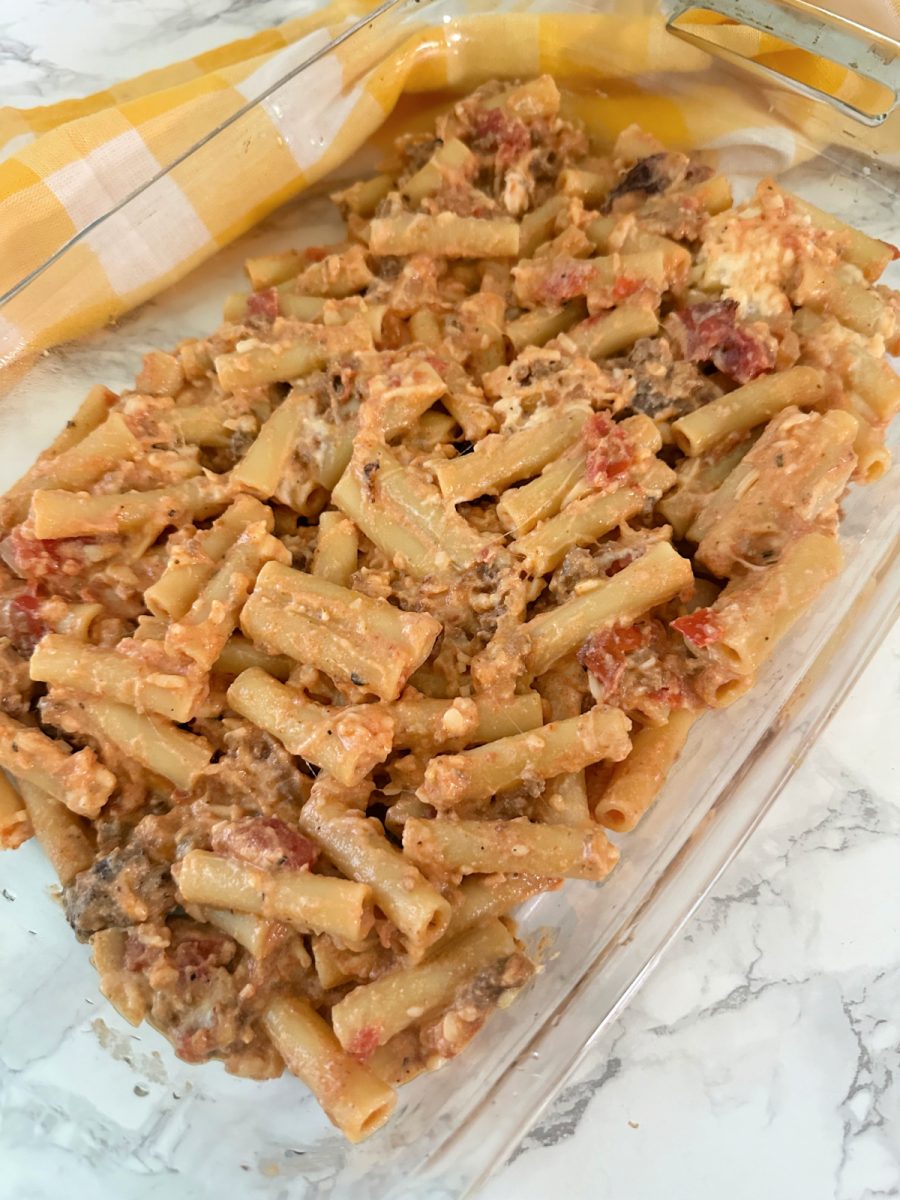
(763, 1057)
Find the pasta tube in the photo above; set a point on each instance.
(793, 476)
(75, 467)
(482, 896)
(240, 655)
(537, 327)
(372, 1014)
(453, 780)
(312, 903)
(156, 744)
(855, 304)
(422, 723)
(15, 824)
(258, 936)
(501, 459)
(347, 742)
(406, 517)
(60, 514)
(478, 847)
(637, 779)
(611, 332)
(452, 156)
(349, 636)
(280, 362)
(205, 628)
(261, 468)
(445, 235)
(192, 565)
(356, 844)
(587, 519)
(747, 406)
(62, 836)
(870, 255)
(652, 579)
(65, 661)
(126, 990)
(337, 549)
(753, 613)
(353, 1097)
(77, 780)
(364, 196)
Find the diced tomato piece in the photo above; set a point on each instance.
(138, 953)
(20, 618)
(266, 842)
(605, 652)
(610, 454)
(365, 1042)
(263, 305)
(619, 564)
(701, 627)
(508, 137)
(195, 956)
(565, 281)
(713, 334)
(37, 558)
(625, 287)
(29, 606)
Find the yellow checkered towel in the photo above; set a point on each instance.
(71, 167)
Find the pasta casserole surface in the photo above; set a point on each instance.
(390, 604)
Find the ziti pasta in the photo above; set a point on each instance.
(390, 604)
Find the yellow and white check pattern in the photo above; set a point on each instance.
(68, 164)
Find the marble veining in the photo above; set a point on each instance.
(762, 1058)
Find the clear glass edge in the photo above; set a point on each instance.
(841, 662)
(376, 14)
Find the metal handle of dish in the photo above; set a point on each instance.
(870, 55)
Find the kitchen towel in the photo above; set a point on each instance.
(103, 206)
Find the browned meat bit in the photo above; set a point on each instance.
(451, 1032)
(123, 888)
(197, 951)
(195, 996)
(711, 332)
(266, 842)
(664, 387)
(649, 176)
(255, 771)
(542, 378)
(15, 683)
(416, 149)
(602, 560)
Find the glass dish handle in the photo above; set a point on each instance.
(870, 56)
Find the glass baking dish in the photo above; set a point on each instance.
(90, 1103)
